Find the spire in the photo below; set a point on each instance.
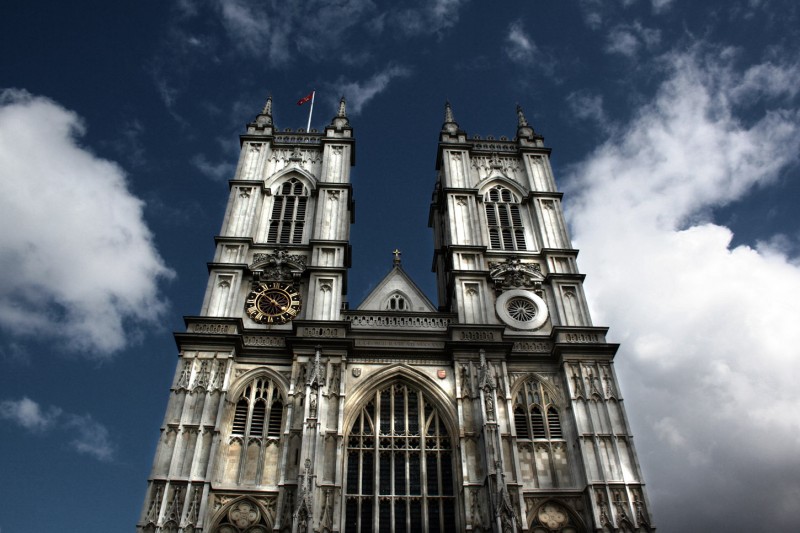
(265, 117)
(521, 122)
(524, 130)
(450, 125)
(448, 113)
(340, 120)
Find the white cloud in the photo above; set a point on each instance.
(28, 414)
(315, 29)
(90, 437)
(248, 24)
(218, 171)
(520, 48)
(431, 18)
(78, 261)
(586, 106)
(709, 356)
(628, 39)
(87, 435)
(593, 13)
(359, 93)
(661, 6)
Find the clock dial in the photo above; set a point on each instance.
(273, 302)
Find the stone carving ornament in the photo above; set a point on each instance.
(279, 266)
(514, 274)
(244, 514)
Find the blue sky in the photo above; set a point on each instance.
(676, 135)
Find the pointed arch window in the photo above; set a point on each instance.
(399, 466)
(288, 216)
(255, 435)
(397, 302)
(535, 415)
(506, 231)
(259, 411)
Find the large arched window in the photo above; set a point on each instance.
(535, 415)
(259, 411)
(506, 231)
(399, 466)
(288, 213)
(253, 445)
(543, 451)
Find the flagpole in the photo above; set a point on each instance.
(308, 128)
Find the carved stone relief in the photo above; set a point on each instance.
(485, 166)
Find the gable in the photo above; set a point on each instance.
(396, 292)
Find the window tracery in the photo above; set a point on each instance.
(288, 216)
(399, 466)
(506, 231)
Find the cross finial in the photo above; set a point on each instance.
(397, 254)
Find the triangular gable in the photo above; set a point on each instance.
(397, 283)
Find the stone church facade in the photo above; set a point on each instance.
(497, 411)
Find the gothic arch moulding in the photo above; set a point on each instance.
(499, 179)
(244, 515)
(402, 373)
(292, 172)
(551, 389)
(238, 384)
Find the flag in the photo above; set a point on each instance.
(306, 98)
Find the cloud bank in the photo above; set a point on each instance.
(709, 332)
(79, 264)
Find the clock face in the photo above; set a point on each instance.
(273, 302)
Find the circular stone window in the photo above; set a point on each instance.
(521, 309)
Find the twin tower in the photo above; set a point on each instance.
(497, 411)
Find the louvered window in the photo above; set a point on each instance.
(521, 423)
(399, 474)
(506, 231)
(257, 422)
(240, 417)
(275, 416)
(553, 423)
(537, 423)
(535, 415)
(258, 409)
(288, 216)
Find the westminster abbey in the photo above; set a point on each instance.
(496, 409)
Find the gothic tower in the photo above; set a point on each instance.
(499, 411)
